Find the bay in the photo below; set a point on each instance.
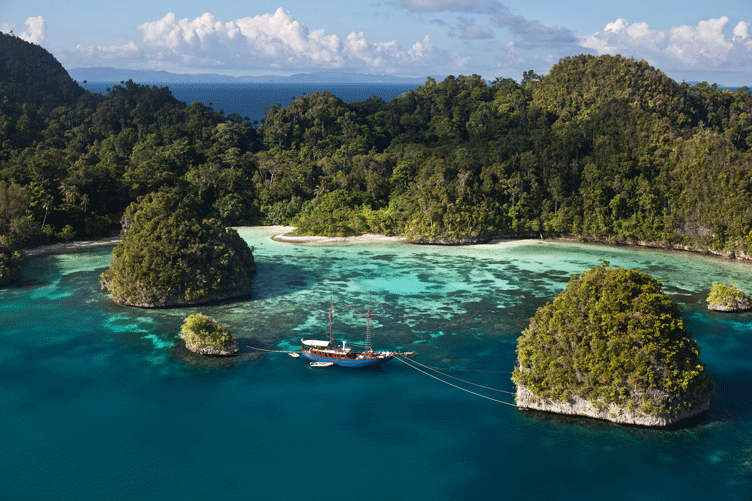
(101, 401)
(252, 100)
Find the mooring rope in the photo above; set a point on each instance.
(272, 351)
(454, 385)
(462, 380)
(465, 370)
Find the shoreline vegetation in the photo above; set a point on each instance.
(601, 149)
(286, 235)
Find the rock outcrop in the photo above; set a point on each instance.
(736, 305)
(612, 346)
(728, 297)
(576, 406)
(206, 336)
(169, 257)
(202, 350)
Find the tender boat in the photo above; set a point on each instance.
(294, 354)
(322, 364)
(333, 352)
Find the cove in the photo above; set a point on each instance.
(101, 401)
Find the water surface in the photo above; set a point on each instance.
(99, 401)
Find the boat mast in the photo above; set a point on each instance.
(329, 314)
(368, 322)
(331, 302)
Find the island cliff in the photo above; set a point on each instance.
(168, 258)
(612, 346)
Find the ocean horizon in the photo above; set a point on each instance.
(252, 99)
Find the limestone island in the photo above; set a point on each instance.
(206, 336)
(612, 346)
(168, 257)
(728, 297)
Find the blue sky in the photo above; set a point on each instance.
(691, 40)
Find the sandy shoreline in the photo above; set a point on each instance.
(66, 246)
(289, 237)
(308, 239)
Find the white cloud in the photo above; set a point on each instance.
(741, 31)
(704, 46)
(6, 28)
(36, 30)
(269, 41)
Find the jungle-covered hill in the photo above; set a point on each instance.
(602, 147)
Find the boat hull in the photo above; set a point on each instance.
(346, 362)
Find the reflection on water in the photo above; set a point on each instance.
(98, 398)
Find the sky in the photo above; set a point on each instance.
(691, 40)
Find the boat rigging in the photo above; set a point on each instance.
(339, 354)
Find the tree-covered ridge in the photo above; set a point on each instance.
(613, 337)
(33, 76)
(603, 148)
(167, 257)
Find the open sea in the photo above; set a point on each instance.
(252, 100)
(99, 401)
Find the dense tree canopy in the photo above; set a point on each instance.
(167, 257)
(602, 148)
(613, 336)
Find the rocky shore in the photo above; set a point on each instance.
(170, 300)
(736, 305)
(210, 351)
(577, 406)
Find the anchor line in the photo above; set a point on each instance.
(462, 380)
(444, 368)
(271, 351)
(454, 385)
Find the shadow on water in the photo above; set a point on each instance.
(278, 278)
(590, 425)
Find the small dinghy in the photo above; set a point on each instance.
(321, 364)
(294, 354)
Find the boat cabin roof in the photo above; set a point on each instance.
(315, 342)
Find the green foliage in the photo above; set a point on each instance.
(32, 75)
(603, 148)
(168, 257)
(10, 265)
(204, 332)
(613, 336)
(725, 294)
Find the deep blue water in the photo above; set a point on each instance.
(252, 100)
(99, 401)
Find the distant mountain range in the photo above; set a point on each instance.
(164, 77)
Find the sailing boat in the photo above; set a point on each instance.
(339, 354)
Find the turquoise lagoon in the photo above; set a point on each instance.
(99, 401)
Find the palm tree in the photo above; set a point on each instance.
(46, 205)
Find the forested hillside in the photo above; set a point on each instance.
(602, 147)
